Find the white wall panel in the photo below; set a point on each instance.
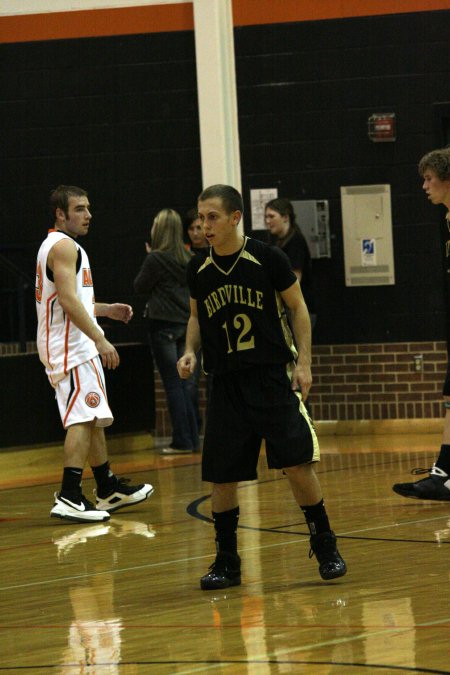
(367, 233)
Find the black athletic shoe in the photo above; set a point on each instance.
(323, 546)
(122, 495)
(224, 572)
(436, 486)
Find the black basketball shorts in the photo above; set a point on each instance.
(246, 407)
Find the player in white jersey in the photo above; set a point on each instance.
(61, 344)
(73, 348)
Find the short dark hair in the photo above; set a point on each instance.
(231, 198)
(283, 207)
(437, 161)
(59, 197)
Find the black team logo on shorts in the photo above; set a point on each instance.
(92, 399)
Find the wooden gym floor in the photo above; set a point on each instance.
(123, 597)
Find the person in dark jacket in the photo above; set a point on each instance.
(163, 278)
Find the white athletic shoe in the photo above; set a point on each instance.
(123, 495)
(77, 512)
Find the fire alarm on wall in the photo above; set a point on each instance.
(382, 127)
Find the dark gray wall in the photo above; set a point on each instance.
(119, 116)
(306, 91)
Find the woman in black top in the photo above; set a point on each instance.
(285, 233)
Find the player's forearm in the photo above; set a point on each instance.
(193, 339)
(102, 309)
(301, 327)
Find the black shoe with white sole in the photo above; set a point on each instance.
(436, 487)
(123, 495)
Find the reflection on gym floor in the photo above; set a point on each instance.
(123, 596)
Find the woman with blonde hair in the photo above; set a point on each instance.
(162, 278)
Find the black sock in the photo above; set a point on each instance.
(225, 524)
(104, 478)
(316, 518)
(443, 461)
(71, 482)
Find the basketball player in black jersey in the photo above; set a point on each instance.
(434, 167)
(238, 293)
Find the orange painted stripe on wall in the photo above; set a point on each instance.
(97, 22)
(254, 12)
(177, 17)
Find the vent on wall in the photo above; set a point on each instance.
(367, 235)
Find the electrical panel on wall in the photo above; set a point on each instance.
(313, 219)
(367, 235)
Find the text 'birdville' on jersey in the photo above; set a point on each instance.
(232, 293)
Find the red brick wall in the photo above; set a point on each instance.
(378, 381)
(370, 382)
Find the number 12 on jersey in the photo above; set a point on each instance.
(241, 332)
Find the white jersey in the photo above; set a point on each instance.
(62, 345)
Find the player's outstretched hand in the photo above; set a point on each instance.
(186, 365)
(120, 312)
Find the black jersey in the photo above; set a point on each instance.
(241, 315)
